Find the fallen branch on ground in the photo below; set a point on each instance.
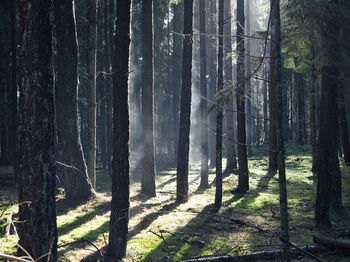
(263, 255)
(332, 243)
(83, 241)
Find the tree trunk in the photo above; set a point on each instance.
(148, 185)
(203, 102)
(313, 135)
(185, 107)
(118, 226)
(301, 111)
(266, 125)
(272, 104)
(329, 189)
(219, 116)
(91, 96)
(277, 76)
(344, 126)
(243, 179)
(248, 84)
(177, 46)
(14, 101)
(36, 173)
(69, 149)
(230, 140)
(212, 79)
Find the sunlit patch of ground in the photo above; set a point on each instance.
(160, 230)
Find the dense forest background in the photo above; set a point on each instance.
(166, 130)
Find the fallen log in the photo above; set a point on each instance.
(332, 243)
(263, 255)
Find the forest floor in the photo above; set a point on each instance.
(160, 230)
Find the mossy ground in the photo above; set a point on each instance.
(160, 230)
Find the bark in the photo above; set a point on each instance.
(327, 147)
(91, 95)
(277, 71)
(219, 115)
(243, 179)
(177, 46)
(265, 105)
(4, 149)
(230, 141)
(203, 102)
(212, 79)
(118, 227)
(69, 149)
(272, 104)
(148, 184)
(36, 173)
(248, 84)
(301, 111)
(332, 243)
(313, 135)
(14, 105)
(185, 107)
(344, 126)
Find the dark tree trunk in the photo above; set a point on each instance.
(243, 179)
(212, 79)
(118, 227)
(277, 76)
(272, 104)
(14, 102)
(231, 152)
(177, 46)
(148, 185)
(328, 195)
(301, 111)
(344, 127)
(203, 103)
(36, 173)
(185, 107)
(69, 149)
(313, 135)
(91, 94)
(266, 125)
(248, 84)
(219, 116)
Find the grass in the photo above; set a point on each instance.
(159, 230)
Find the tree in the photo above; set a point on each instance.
(91, 96)
(273, 163)
(36, 173)
(328, 194)
(177, 45)
(219, 116)
(231, 163)
(243, 179)
(185, 107)
(148, 184)
(277, 76)
(249, 85)
(313, 133)
(69, 150)
(118, 227)
(344, 126)
(203, 103)
(212, 78)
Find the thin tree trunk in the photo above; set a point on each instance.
(248, 84)
(91, 96)
(313, 108)
(36, 173)
(277, 71)
(212, 79)
(177, 46)
(185, 107)
(14, 104)
(230, 141)
(243, 179)
(69, 149)
(219, 115)
(266, 125)
(118, 226)
(344, 126)
(148, 184)
(203, 103)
